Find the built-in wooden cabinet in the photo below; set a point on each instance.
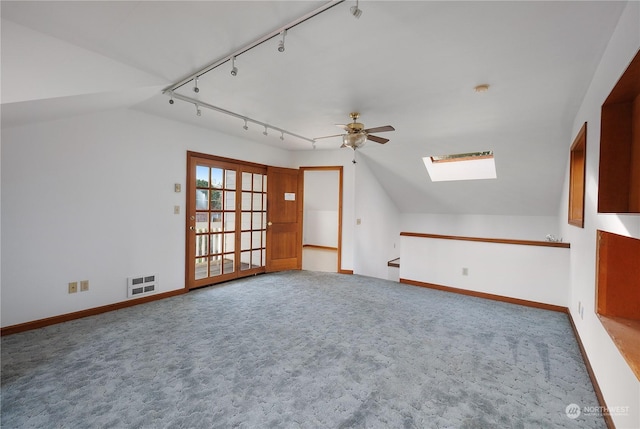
(618, 293)
(619, 176)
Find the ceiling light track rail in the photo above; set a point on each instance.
(249, 46)
(246, 119)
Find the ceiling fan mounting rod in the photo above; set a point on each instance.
(252, 45)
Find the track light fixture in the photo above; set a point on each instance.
(234, 69)
(171, 99)
(281, 44)
(282, 135)
(198, 111)
(246, 127)
(195, 88)
(265, 131)
(356, 11)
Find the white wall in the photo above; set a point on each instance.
(532, 273)
(485, 226)
(321, 203)
(92, 198)
(619, 385)
(377, 235)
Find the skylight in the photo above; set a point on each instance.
(461, 166)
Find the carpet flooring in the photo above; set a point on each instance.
(300, 350)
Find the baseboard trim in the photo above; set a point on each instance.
(502, 298)
(596, 387)
(41, 323)
(345, 271)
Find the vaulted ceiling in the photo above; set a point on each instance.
(410, 64)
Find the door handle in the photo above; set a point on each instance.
(192, 228)
(269, 223)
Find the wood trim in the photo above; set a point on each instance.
(485, 295)
(41, 323)
(340, 169)
(596, 387)
(394, 263)
(577, 178)
(316, 246)
(488, 240)
(222, 159)
(350, 272)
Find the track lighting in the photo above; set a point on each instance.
(281, 44)
(282, 135)
(265, 131)
(198, 111)
(356, 11)
(246, 127)
(195, 88)
(234, 69)
(171, 99)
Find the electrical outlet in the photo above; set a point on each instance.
(73, 287)
(358, 221)
(176, 209)
(465, 271)
(84, 285)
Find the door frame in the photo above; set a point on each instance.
(190, 202)
(340, 170)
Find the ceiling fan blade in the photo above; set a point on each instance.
(328, 137)
(377, 139)
(344, 127)
(380, 129)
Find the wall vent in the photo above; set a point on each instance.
(141, 285)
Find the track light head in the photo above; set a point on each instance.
(356, 11)
(171, 99)
(246, 127)
(265, 131)
(198, 111)
(281, 44)
(195, 88)
(282, 135)
(234, 69)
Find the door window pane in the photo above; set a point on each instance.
(216, 178)
(202, 176)
(257, 202)
(230, 179)
(215, 266)
(256, 241)
(245, 260)
(229, 221)
(246, 201)
(229, 200)
(202, 199)
(245, 241)
(246, 221)
(216, 243)
(202, 244)
(257, 221)
(246, 181)
(229, 242)
(257, 183)
(229, 263)
(216, 200)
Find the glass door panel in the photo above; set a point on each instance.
(226, 223)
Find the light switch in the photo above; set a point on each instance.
(176, 209)
(177, 187)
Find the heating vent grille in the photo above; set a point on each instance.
(141, 285)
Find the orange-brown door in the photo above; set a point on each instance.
(226, 220)
(284, 216)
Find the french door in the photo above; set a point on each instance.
(226, 219)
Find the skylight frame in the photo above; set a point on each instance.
(461, 166)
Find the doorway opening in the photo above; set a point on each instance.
(322, 214)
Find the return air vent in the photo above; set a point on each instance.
(141, 285)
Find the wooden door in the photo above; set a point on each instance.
(226, 220)
(284, 216)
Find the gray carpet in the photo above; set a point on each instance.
(300, 349)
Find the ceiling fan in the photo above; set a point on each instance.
(357, 135)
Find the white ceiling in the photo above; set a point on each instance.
(410, 64)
